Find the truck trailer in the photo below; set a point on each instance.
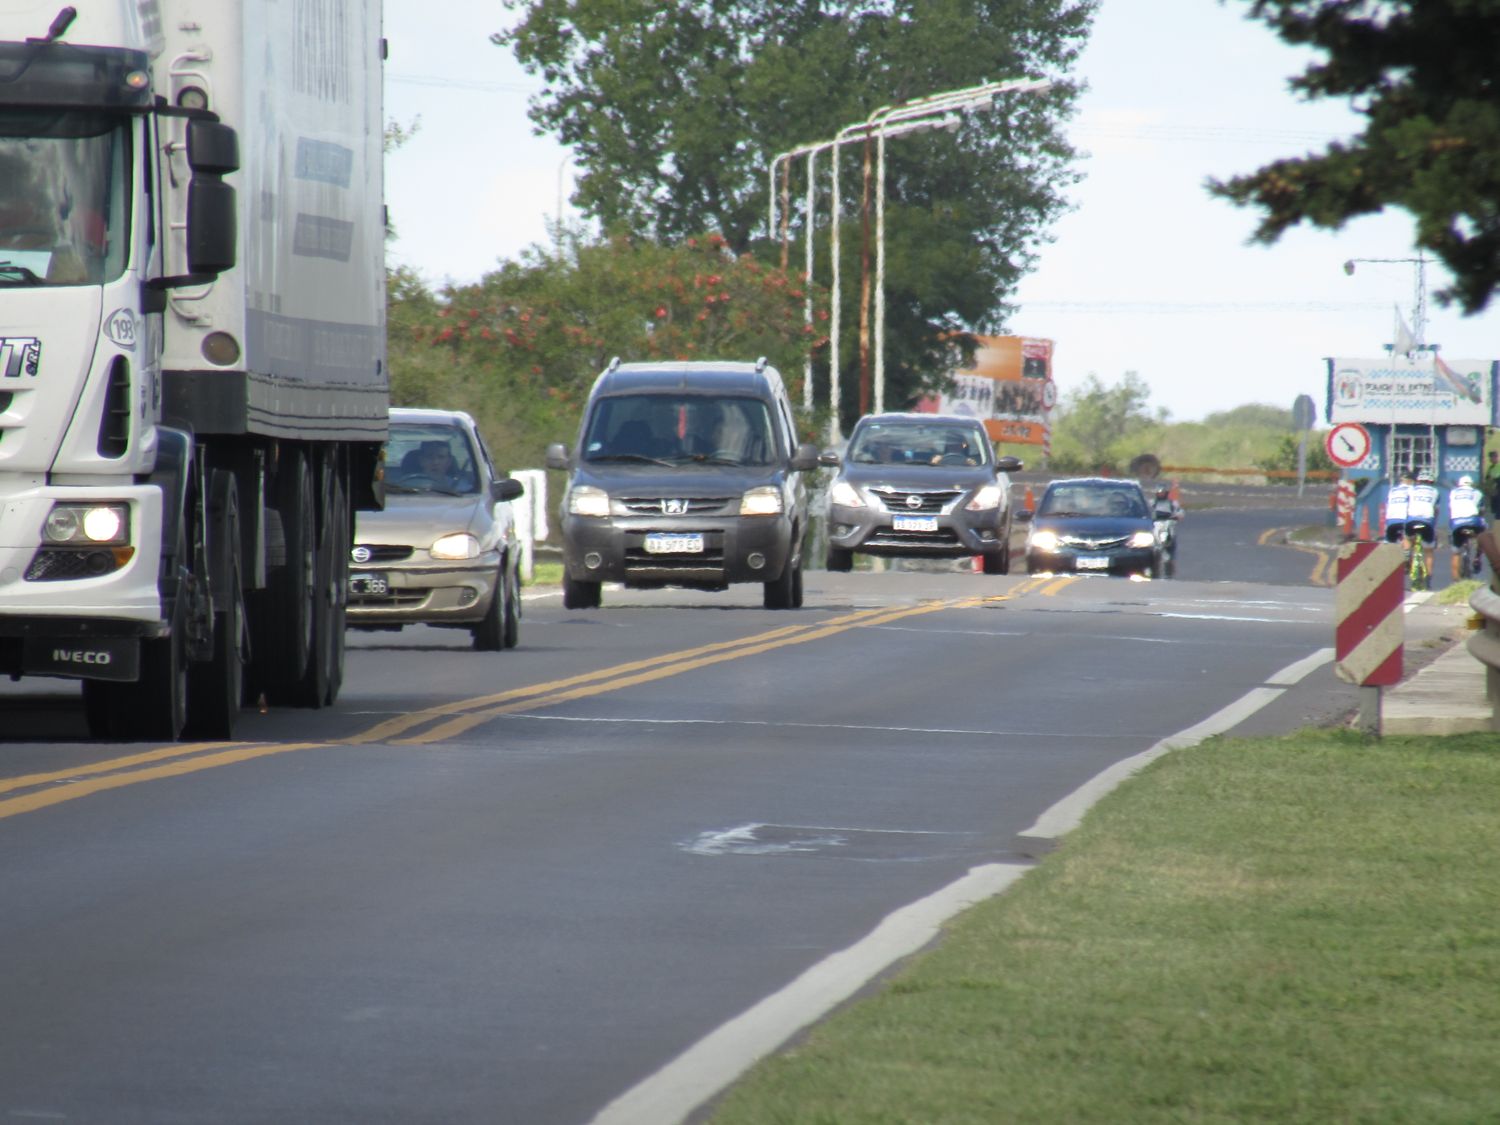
(193, 389)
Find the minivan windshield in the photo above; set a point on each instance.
(680, 429)
(64, 190)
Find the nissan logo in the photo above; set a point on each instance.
(674, 507)
(360, 554)
(913, 501)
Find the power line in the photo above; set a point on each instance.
(460, 83)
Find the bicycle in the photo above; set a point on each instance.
(1466, 548)
(1417, 574)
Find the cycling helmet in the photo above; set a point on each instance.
(1465, 482)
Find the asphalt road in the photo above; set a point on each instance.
(506, 887)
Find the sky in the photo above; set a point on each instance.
(1147, 273)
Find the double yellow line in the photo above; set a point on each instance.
(449, 720)
(1319, 575)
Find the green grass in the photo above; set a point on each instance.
(546, 574)
(1303, 929)
(1457, 593)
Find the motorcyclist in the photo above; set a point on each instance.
(1165, 512)
(1464, 518)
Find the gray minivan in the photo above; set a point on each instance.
(685, 474)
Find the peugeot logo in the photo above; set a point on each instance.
(360, 554)
(674, 507)
(913, 501)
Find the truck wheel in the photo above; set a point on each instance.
(341, 525)
(317, 684)
(285, 649)
(213, 698)
(155, 706)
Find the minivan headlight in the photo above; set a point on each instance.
(763, 501)
(460, 545)
(985, 499)
(586, 500)
(844, 494)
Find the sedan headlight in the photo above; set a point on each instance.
(985, 499)
(586, 500)
(88, 524)
(763, 501)
(1044, 540)
(845, 494)
(460, 545)
(1143, 539)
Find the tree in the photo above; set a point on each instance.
(1093, 423)
(1422, 74)
(521, 348)
(674, 111)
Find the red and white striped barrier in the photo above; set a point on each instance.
(1369, 629)
(1343, 502)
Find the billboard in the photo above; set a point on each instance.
(1009, 386)
(1427, 389)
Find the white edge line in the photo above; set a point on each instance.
(710, 1065)
(1067, 813)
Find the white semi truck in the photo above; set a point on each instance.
(193, 392)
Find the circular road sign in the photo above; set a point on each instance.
(1049, 395)
(1348, 444)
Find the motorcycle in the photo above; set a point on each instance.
(1165, 512)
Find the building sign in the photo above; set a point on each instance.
(1429, 390)
(1009, 387)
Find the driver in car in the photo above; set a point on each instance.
(434, 462)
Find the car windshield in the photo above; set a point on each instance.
(430, 457)
(63, 194)
(919, 443)
(675, 429)
(1093, 500)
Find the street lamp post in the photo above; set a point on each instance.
(1419, 305)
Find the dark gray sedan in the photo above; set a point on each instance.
(920, 486)
(1093, 525)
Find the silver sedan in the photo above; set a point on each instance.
(444, 551)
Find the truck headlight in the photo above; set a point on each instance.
(460, 545)
(586, 500)
(986, 499)
(763, 501)
(93, 525)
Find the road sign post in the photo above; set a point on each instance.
(1369, 628)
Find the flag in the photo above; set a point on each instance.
(1405, 343)
(1454, 380)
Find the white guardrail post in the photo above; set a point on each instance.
(530, 512)
(1484, 645)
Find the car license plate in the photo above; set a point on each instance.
(1093, 562)
(916, 523)
(657, 544)
(369, 585)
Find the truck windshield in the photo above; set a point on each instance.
(64, 179)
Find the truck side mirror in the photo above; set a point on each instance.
(213, 148)
(213, 151)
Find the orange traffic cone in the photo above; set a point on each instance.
(1175, 493)
(1030, 501)
(1364, 524)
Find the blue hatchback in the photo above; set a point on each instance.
(1093, 525)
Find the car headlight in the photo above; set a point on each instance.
(586, 500)
(845, 494)
(985, 499)
(763, 501)
(1044, 540)
(460, 545)
(88, 524)
(1143, 539)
